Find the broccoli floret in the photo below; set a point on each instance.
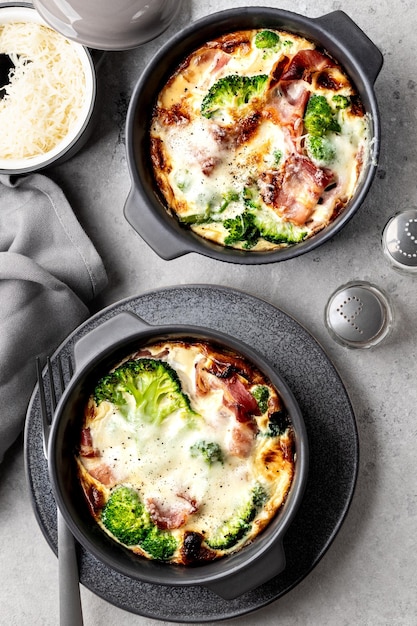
(210, 451)
(261, 395)
(235, 528)
(251, 197)
(256, 222)
(242, 228)
(278, 423)
(126, 518)
(341, 102)
(197, 218)
(232, 91)
(320, 149)
(212, 211)
(158, 544)
(318, 117)
(277, 156)
(227, 198)
(276, 231)
(154, 385)
(266, 39)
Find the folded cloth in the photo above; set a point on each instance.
(49, 272)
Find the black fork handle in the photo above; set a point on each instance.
(70, 609)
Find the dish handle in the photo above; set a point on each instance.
(355, 41)
(124, 325)
(154, 231)
(270, 564)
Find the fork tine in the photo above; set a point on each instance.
(70, 367)
(51, 384)
(61, 378)
(44, 410)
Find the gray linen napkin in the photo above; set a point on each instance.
(49, 271)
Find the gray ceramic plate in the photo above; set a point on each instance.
(331, 430)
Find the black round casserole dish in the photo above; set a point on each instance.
(144, 209)
(229, 577)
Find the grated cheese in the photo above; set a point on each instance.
(46, 92)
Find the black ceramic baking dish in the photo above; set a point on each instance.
(94, 355)
(144, 207)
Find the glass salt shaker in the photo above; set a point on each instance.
(358, 315)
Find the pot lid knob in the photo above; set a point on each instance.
(399, 241)
(358, 315)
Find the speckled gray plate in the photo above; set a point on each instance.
(331, 430)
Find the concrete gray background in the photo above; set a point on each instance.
(369, 575)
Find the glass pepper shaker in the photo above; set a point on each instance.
(399, 241)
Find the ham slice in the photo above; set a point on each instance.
(211, 374)
(294, 191)
(168, 516)
(87, 449)
(304, 64)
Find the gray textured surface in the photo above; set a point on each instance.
(368, 576)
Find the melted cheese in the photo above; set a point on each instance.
(156, 459)
(202, 163)
(45, 97)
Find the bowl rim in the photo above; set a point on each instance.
(190, 38)
(9, 12)
(172, 574)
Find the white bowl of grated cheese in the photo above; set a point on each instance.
(48, 99)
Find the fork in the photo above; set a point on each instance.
(70, 609)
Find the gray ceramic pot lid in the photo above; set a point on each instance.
(331, 430)
(106, 24)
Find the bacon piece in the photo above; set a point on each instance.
(295, 190)
(285, 105)
(87, 449)
(103, 474)
(242, 398)
(242, 438)
(237, 399)
(208, 63)
(228, 373)
(306, 63)
(208, 163)
(287, 94)
(278, 70)
(174, 516)
(213, 375)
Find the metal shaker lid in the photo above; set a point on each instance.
(399, 240)
(358, 315)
